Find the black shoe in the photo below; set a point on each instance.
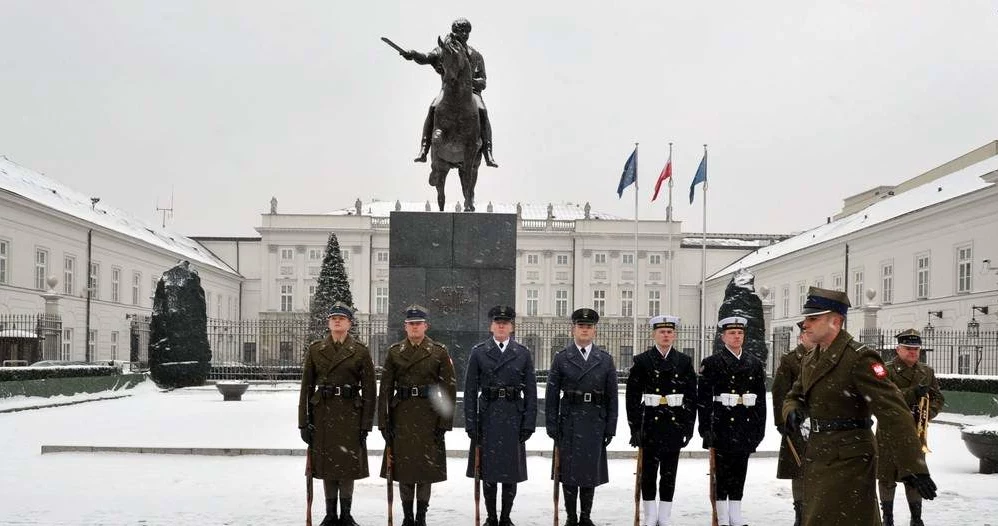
(585, 521)
(916, 513)
(572, 521)
(888, 508)
(491, 521)
(347, 520)
(408, 521)
(505, 521)
(330, 520)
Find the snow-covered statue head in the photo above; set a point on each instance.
(744, 279)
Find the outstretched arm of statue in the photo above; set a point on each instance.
(430, 58)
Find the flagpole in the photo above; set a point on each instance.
(703, 266)
(637, 281)
(672, 254)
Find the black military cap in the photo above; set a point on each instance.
(585, 315)
(822, 301)
(502, 313)
(340, 309)
(910, 338)
(416, 313)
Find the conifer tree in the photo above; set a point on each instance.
(332, 287)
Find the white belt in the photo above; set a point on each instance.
(719, 399)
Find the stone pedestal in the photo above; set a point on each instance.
(457, 265)
(51, 327)
(869, 333)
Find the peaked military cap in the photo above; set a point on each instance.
(340, 309)
(585, 315)
(732, 322)
(823, 301)
(502, 313)
(416, 313)
(910, 338)
(664, 322)
(800, 325)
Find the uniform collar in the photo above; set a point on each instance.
(736, 356)
(664, 355)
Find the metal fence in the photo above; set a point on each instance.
(28, 338)
(273, 349)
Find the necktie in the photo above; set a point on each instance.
(585, 354)
(501, 345)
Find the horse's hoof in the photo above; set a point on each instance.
(421, 159)
(493, 164)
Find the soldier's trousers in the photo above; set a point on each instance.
(342, 487)
(651, 463)
(421, 491)
(889, 487)
(731, 467)
(508, 494)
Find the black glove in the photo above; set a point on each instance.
(781, 429)
(363, 435)
(525, 434)
(307, 433)
(635, 440)
(553, 434)
(922, 483)
(388, 435)
(438, 435)
(794, 420)
(921, 390)
(708, 440)
(607, 439)
(472, 434)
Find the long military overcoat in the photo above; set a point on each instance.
(849, 381)
(662, 427)
(739, 427)
(581, 426)
(499, 421)
(337, 450)
(417, 455)
(907, 379)
(783, 380)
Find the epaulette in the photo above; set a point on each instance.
(315, 343)
(396, 345)
(480, 344)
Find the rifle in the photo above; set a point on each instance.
(557, 468)
(478, 484)
(713, 488)
(389, 468)
(638, 469)
(393, 45)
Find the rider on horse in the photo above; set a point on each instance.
(460, 30)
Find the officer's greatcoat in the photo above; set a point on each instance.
(500, 400)
(738, 427)
(907, 379)
(416, 399)
(783, 380)
(337, 451)
(581, 425)
(662, 427)
(848, 381)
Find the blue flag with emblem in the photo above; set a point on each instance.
(701, 176)
(630, 174)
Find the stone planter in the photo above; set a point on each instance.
(983, 445)
(232, 391)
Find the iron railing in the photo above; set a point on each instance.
(28, 338)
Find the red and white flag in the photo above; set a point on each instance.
(666, 173)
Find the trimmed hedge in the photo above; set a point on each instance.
(974, 384)
(17, 374)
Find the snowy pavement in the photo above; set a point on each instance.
(148, 489)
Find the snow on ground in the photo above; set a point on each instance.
(119, 489)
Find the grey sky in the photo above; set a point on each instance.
(230, 103)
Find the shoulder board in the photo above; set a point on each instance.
(394, 346)
(358, 343)
(315, 343)
(438, 345)
(481, 345)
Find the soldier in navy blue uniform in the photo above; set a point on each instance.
(500, 411)
(581, 414)
(661, 409)
(731, 399)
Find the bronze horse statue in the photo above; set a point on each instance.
(457, 134)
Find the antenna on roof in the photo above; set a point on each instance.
(166, 210)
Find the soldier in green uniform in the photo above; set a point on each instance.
(916, 381)
(787, 466)
(336, 411)
(415, 410)
(842, 384)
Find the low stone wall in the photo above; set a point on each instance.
(967, 403)
(70, 386)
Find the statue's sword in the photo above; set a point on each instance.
(393, 44)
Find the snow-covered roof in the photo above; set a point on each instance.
(562, 211)
(36, 187)
(954, 185)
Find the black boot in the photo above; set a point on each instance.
(407, 519)
(570, 510)
(586, 503)
(345, 518)
(421, 507)
(507, 507)
(888, 508)
(490, 504)
(798, 512)
(916, 513)
(425, 139)
(330, 519)
(483, 117)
